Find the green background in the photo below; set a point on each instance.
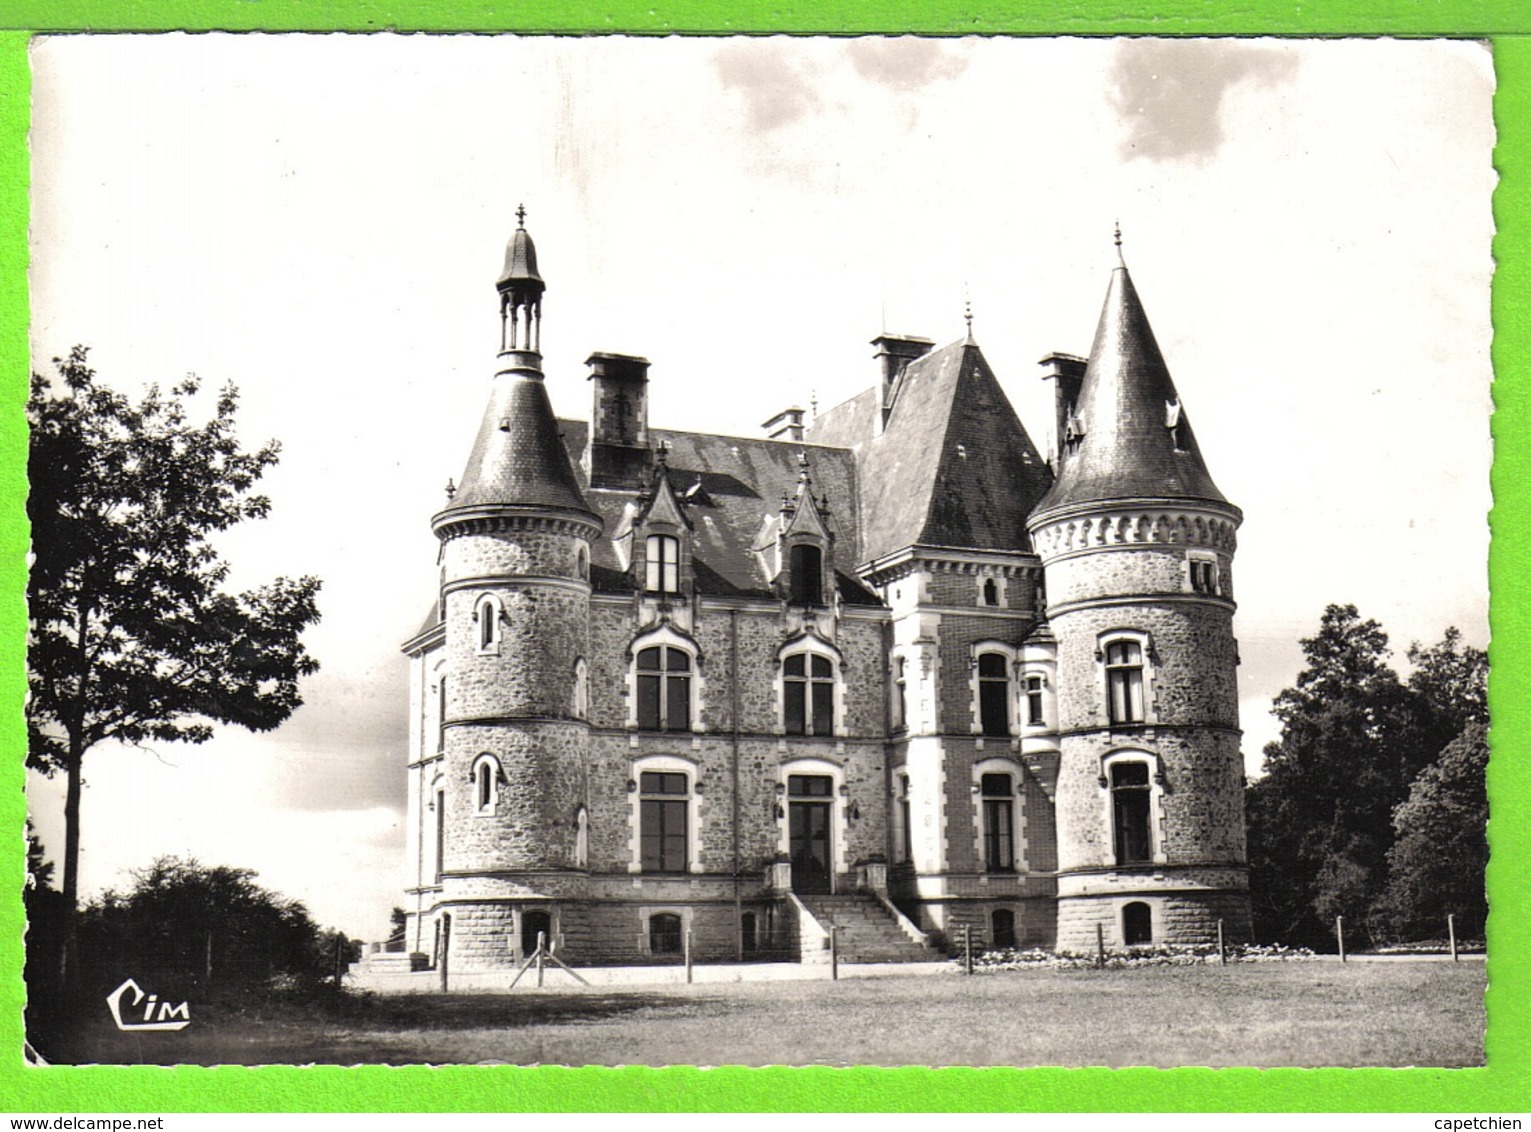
(1505, 1085)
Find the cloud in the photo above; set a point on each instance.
(906, 63)
(775, 89)
(1169, 93)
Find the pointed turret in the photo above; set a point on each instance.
(518, 460)
(1128, 436)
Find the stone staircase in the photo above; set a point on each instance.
(868, 933)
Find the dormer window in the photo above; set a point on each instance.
(806, 570)
(662, 564)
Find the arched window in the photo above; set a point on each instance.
(1130, 809)
(533, 925)
(1034, 713)
(581, 689)
(662, 564)
(998, 823)
(808, 694)
(664, 805)
(1137, 923)
(989, 594)
(1124, 681)
(806, 567)
(900, 695)
(664, 688)
(486, 783)
(487, 616)
(582, 564)
(1002, 928)
(582, 838)
(664, 934)
(994, 693)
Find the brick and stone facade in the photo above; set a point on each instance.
(674, 682)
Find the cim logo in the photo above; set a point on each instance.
(168, 1017)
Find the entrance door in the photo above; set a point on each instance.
(808, 804)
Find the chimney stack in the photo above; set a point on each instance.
(786, 425)
(894, 353)
(618, 450)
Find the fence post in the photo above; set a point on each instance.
(1451, 932)
(541, 951)
(1339, 934)
(688, 955)
(1222, 954)
(1100, 945)
(967, 949)
(834, 952)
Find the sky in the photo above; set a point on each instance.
(320, 220)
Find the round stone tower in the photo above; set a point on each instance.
(515, 604)
(1137, 547)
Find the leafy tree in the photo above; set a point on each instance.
(1353, 739)
(194, 927)
(132, 637)
(1436, 865)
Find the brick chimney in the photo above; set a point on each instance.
(894, 353)
(618, 450)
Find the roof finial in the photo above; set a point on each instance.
(967, 311)
(520, 216)
(1117, 240)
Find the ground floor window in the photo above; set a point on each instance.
(664, 934)
(1137, 923)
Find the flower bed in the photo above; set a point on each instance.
(1155, 955)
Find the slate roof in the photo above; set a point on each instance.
(1128, 450)
(520, 260)
(742, 483)
(517, 459)
(954, 467)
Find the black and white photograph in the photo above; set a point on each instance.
(758, 551)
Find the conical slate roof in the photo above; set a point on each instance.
(1137, 441)
(518, 458)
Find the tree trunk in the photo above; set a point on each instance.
(69, 957)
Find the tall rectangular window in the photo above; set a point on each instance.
(1124, 681)
(664, 799)
(664, 689)
(1130, 812)
(907, 818)
(900, 695)
(441, 715)
(994, 693)
(808, 695)
(998, 823)
(1034, 716)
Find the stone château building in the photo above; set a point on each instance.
(889, 670)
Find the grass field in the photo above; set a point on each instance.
(1397, 1013)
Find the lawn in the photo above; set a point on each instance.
(1398, 1013)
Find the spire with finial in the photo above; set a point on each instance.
(521, 290)
(967, 316)
(1116, 238)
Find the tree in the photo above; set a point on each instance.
(1320, 818)
(1436, 865)
(132, 637)
(195, 927)
(1354, 737)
